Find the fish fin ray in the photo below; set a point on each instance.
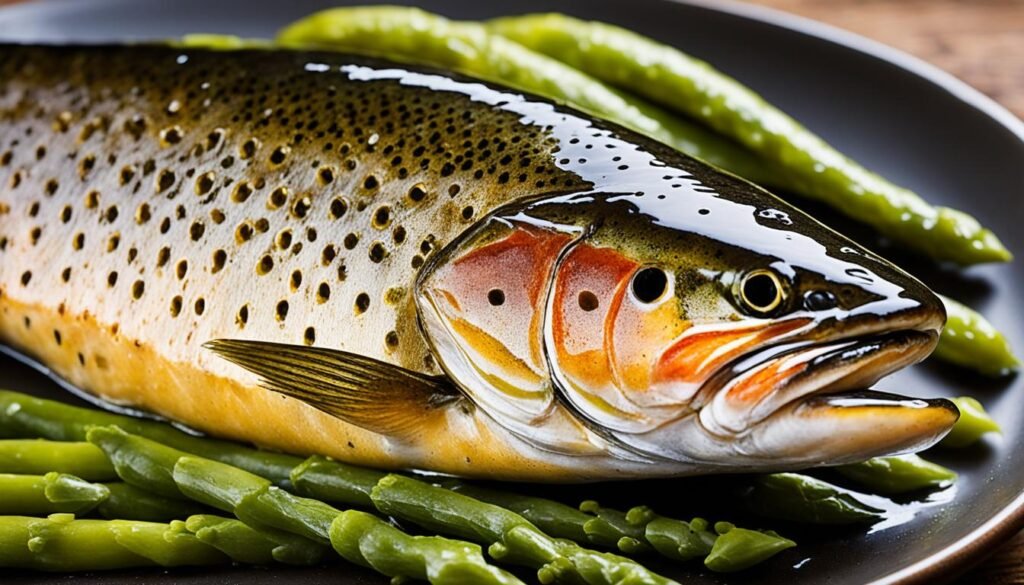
(365, 392)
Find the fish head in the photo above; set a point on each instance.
(723, 331)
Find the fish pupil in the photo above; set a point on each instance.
(760, 291)
(649, 284)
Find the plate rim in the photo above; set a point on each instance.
(948, 562)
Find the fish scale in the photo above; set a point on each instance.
(403, 268)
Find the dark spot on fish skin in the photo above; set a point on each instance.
(112, 279)
(176, 305)
(301, 207)
(40, 153)
(86, 165)
(309, 336)
(243, 316)
(587, 301)
(467, 212)
(26, 277)
(242, 192)
(249, 148)
(196, 230)
(35, 234)
(65, 275)
(170, 136)
(328, 255)
(217, 216)
(57, 337)
(417, 193)
(78, 242)
(391, 340)
(111, 214)
(133, 253)
(278, 197)
(33, 209)
(417, 261)
(311, 234)
(92, 199)
(283, 240)
(143, 214)
(244, 232)
(163, 256)
(113, 242)
(362, 303)
(377, 252)
(204, 183)
(262, 225)
(220, 257)
(182, 269)
(370, 182)
(265, 265)
(338, 208)
(15, 180)
(51, 187)
(282, 310)
(165, 180)
(325, 176)
(323, 292)
(382, 217)
(342, 272)
(138, 289)
(165, 225)
(496, 297)
(200, 306)
(296, 280)
(278, 156)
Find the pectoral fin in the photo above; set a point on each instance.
(374, 395)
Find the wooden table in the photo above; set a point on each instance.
(982, 43)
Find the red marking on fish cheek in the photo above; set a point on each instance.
(760, 384)
(589, 287)
(500, 288)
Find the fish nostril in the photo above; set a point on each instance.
(819, 300)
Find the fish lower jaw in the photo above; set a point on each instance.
(806, 408)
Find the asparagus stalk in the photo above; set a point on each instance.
(26, 416)
(62, 543)
(324, 479)
(358, 537)
(973, 424)
(250, 545)
(34, 495)
(37, 457)
(800, 498)
(508, 536)
(897, 475)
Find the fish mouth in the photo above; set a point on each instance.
(753, 388)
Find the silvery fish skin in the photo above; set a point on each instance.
(402, 268)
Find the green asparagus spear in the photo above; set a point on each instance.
(36, 457)
(509, 536)
(553, 518)
(973, 423)
(800, 498)
(412, 35)
(676, 539)
(610, 528)
(358, 537)
(738, 548)
(27, 416)
(970, 340)
(898, 474)
(255, 546)
(62, 543)
(36, 495)
(127, 502)
(661, 73)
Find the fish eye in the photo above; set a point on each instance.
(761, 291)
(649, 284)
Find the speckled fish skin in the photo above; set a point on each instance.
(153, 199)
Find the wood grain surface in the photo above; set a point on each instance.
(982, 43)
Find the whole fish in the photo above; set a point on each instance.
(403, 268)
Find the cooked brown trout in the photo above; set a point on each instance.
(403, 268)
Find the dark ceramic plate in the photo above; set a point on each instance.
(914, 124)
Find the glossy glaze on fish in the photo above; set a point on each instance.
(446, 275)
